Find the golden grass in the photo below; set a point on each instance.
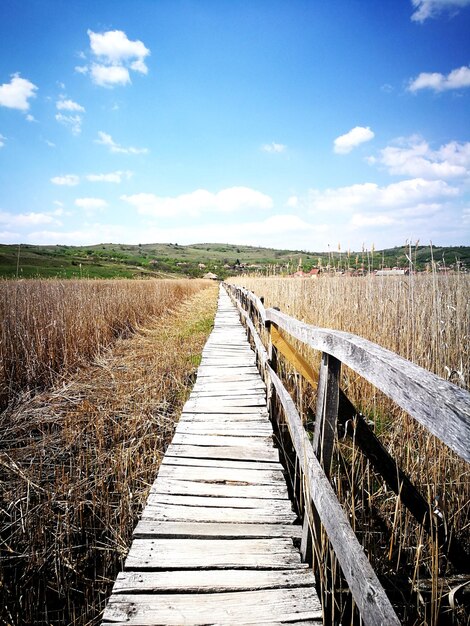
(426, 319)
(77, 461)
(49, 327)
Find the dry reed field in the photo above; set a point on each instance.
(426, 319)
(77, 460)
(49, 327)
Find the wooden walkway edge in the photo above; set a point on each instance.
(217, 540)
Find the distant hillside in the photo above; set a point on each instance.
(172, 260)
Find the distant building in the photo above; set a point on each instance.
(301, 274)
(395, 271)
(211, 276)
(314, 272)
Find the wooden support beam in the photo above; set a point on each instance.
(327, 410)
(292, 355)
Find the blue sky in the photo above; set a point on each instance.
(294, 124)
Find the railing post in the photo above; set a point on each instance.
(306, 544)
(327, 410)
(258, 315)
(272, 361)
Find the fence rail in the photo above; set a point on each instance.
(440, 406)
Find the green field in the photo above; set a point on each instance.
(172, 260)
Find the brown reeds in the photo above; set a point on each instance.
(426, 319)
(49, 327)
(77, 461)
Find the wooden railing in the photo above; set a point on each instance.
(440, 406)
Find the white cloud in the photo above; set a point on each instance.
(416, 217)
(74, 122)
(279, 231)
(115, 48)
(30, 118)
(26, 219)
(227, 200)
(7, 236)
(111, 177)
(51, 144)
(2, 140)
(89, 205)
(69, 180)
(415, 158)
(60, 208)
(456, 79)
(106, 140)
(273, 147)
(139, 66)
(293, 202)
(359, 220)
(365, 196)
(16, 93)
(357, 135)
(425, 9)
(69, 105)
(91, 234)
(109, 75)
(115, 56)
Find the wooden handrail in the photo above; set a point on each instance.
(368, 593)
(440, 406)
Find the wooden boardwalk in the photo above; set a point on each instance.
(217, 540)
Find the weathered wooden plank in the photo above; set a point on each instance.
(168, 554)
(252, 383)
(203, 514)
(277, 505)
(213, 380)
(148, 529)
(189, 462)
(212, 581)
(225, 452)
(327, 410)
(440, 406)
(188, 487)
(202, 402)
(222, 360)
(222, 377)
(224, 417)
(291, 354)
(215, 389)
(253, 607)
(222, 475)
(218, 351)
(373, 604)
(194, 439)
(237, 393)
(221, 407)
(215, 370)
(243, 429)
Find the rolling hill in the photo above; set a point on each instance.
(172, 260)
